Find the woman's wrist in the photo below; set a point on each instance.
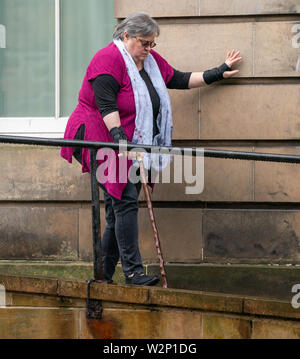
(215, 74)
(118, 134)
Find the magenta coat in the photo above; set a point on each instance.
(106, 61)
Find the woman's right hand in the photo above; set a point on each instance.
(132, 155)
(231, 58)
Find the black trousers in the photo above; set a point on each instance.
(120, 236)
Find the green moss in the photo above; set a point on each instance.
(72, 270)
(67, 271)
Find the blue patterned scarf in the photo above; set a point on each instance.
(143, 133)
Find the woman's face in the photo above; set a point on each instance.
(138, 47)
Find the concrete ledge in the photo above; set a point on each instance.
(270, 308)
(54, 308)
(153, 296)
(196, 300)
(29, 284)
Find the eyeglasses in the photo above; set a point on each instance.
(145, 43)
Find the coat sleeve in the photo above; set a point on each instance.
(107, 61)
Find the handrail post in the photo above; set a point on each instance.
(97, 248)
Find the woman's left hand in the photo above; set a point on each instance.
(132, 155)
(231, 58)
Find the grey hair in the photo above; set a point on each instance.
(137, 24)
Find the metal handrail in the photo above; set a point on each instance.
(188, 151)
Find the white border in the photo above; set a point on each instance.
(57, 58)
(2, 296)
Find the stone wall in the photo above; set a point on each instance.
(249, 211)
(55, 309)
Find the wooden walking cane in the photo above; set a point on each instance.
(139, 158)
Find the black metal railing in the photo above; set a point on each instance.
(93, 146)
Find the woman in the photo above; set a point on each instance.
(124, 97)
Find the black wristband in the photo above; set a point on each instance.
(118, 134)
(215, 74)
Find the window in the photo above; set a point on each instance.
(45, 47)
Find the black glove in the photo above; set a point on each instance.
(118, 134)
(215, 74)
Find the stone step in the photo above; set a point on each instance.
(268, 281)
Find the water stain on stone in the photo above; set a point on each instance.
(216, 244)
(102, 329)
(259, 247)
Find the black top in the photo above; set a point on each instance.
(154, 99)
(106, 89)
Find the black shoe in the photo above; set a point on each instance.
(108, 281)
(106, 278)
(142, 279)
